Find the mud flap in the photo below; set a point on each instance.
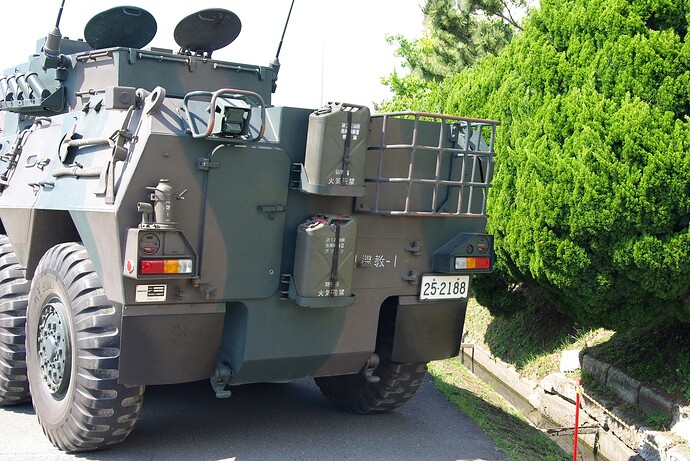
(427, 331)
(170, 349)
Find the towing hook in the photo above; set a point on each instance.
(369, 368)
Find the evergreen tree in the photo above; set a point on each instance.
(459, 33)
(591, 199)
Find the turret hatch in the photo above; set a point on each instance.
(123, 26)
(206, 31)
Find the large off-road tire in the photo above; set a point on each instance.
(398, 381)
(72, 355)
(14, 292)
(353, 393)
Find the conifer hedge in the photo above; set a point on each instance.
(591, 197)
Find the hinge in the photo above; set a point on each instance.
(285, 285)
(191, 63)
(295, 175)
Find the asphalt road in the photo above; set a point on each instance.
(267, 422)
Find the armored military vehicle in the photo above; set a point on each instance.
(162, 222)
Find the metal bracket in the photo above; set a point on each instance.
(42, 164)
(369, 368)
(454, 132)
(132, 57)
(12, 157)
(412, 277)
(41, 185)
(191, 63)
(415, 248)
(207, 290)
(221, 379)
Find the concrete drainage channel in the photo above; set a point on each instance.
(550, 406)
(559, 433)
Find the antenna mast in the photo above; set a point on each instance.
(287, 21)
(57, 22)
(275, 64)
(51, 48)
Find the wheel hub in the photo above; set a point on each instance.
(54, 347)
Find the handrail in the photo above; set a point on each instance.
(231, 93)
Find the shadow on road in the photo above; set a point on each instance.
(293, 421)
(266, 422)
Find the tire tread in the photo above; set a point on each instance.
(352, 393)
(103, 412)
(14, 294)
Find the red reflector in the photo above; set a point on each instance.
(152, 266)
(482, 263)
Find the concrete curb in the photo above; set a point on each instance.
(648, 401)
(554, 397)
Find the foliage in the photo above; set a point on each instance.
(591, 197)
(459, 33)
(411, 93)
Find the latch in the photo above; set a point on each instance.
(271, 210)
(207, 290)
(207, 164)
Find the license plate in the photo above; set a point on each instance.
(444, 287)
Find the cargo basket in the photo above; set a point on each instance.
(422, 164)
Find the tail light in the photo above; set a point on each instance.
(166, 266)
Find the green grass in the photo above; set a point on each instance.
(501, 422)
(659, 358)
(532, 340)
(658, 421)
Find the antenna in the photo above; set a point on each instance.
(287, 21)
(275, 64)
(323, 65)
(57, 22)
(51, 48)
